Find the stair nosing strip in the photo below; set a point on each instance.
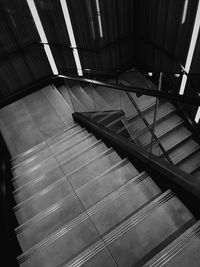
(88, 255)
(28, 151)
(61, 141)
(44, 214)
(159, 120)
(117, 194)
(92, 182)
(160, 137)
(163, 116)
(143, 110)
(40, 194)
(79, 141)
(184, 242)
(107, 151)
(83, 151)
(69, 137)
(22, 162)
(27, 172)
(15, 178)
(69, 226)
(184, 157)
(124, 228)
(109, 238)
(44, 176)
(59, 204)
(66, 130)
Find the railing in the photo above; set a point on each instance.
(96, 98)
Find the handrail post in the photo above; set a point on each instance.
(155, 115)
(148, 126)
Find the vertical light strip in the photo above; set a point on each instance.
(191, 49)
(42, 35)
(197, 117)
(99, 19)
(184, 11)
(91, 18)
(71, 36)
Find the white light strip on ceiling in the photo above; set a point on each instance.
(197, 117)
(71, 36)
(191, 49)
(42, 35)
(99, 18)
(184, 11)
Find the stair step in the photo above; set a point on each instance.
(80, 158)
(144, 107)
(191, 163)
(184, 251)
(52, 162)
(80, 228)
(182, 152)
(59, 104)
(140, 233)
(30, 152)
(136, 237)
(35, 172)
(33, 187)
(69, 141)
(43, 224)
(137, 192)
(42, 200)
(35, 150)
(171, 141)
(162, 126)
(104, 184)
(42, 154)
(62, 136)
(71, 151)
(96, 167)
(85, 156)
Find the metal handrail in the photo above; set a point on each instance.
(142, 91)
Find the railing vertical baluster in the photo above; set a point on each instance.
(155, 115)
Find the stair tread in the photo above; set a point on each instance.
(82, 158)
(36, 149)
(33, 187)
(191, 163)
(136, 191)
(96, 167)
(126, 242)
(75, 148)
(123, 172)
(53, 162)
(170, 144)
(184, 150)
(43, 153)
(42, 200)
(184, 251)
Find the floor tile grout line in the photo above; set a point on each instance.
(53, 107)
(86, 211)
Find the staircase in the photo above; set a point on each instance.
(171, 131)
(80, 204)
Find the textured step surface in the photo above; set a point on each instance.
(141, 233)
(184, 251)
